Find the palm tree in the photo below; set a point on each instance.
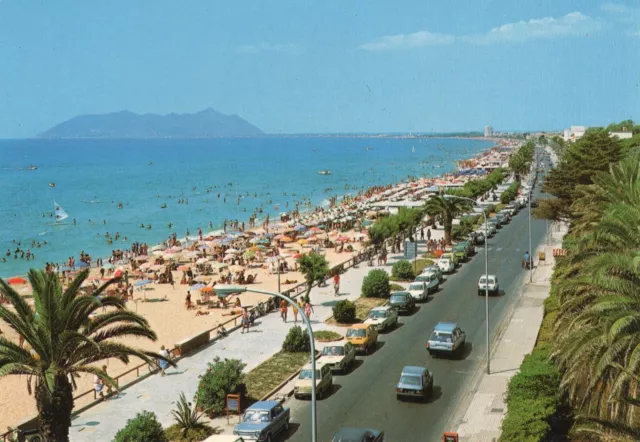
(315, 268)
(447, 209)
(65, 341)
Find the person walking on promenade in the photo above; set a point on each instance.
(422, 234)
(162, 363)
(283, 310)
(428, 234)
(295, 315)
(336, 283)
(308, 308)
(245, 320)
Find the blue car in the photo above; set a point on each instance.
(415, 382)
(263, 421)
(358, 435)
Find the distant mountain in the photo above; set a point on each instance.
(205, 124)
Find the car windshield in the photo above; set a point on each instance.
(440, 337)
(398, 298)
(445, 261)
(256, 416)
(378, 314)
(334, 350)
(416, 287)
(483, 280)
(410, 380)
(306, 374)
(356, 333)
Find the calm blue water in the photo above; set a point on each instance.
(92, 176)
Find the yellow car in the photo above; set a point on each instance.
(452, 256)
(364, 337)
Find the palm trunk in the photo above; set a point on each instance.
(54, 410)
(448, 226)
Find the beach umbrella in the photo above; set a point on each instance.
(236, 269)
(157, 267)
(228, 257)
(202, 260)
(232, 251)
(201, 278)
(142, 258)
(156, 248)
(169, 255)
(16, 280)
(182, 268)
(192, 255)
(197, 286)
(174, 249)
(302, 241)
(279, 237)
(146, 265)
(118, 273)
(219, 265)
(143, 282)
(248, 254)
(82, 264)
(158, 252)
(367, 222)
(286, 239)
(206, 289)
(312, 239)
(254, 240)
(297, 255)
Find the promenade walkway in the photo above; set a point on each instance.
(159, 394)
(483, 418)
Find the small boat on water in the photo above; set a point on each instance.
(32, 167)
(325, 172)
(164, 206)
(52, 184)
(413, 149)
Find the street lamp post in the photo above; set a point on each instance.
(229, 289)
(530, 251)
(486, 276)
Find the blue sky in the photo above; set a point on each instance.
(323, 66)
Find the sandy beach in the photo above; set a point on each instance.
(163, 305)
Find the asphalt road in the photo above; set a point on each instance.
(366, 396)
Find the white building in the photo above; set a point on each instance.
(624, 135)
(488, 131)
(574, 133)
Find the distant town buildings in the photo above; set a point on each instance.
(623, 135)
(574, 133)
(488, 131)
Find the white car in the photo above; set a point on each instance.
(437, 270)
(419, 290)
(339, 357)
(446, 265)
(383, 318)
(493, 284)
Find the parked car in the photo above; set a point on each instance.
(495, 223)
(471, 248)
(415, 382)
(364, 337)
(447, 338)
(429, 277)
(263, 421)
(446, 265)
(339, 357)
(506, 213)
(452, 257)
(383, 318)
(477, 237)
(494, 285)
(460, 251)
(513, 208)
(419, 290)
(434, 268)
(358, 435)
(402, 301)
(324, 380)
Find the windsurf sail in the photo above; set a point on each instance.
(61, 215)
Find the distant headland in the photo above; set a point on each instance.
(204, 124)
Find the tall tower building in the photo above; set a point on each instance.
(488, 131)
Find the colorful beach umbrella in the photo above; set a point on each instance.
(143, 282)
(16, 280)
(197, 286)
(206, 289)
(286, 239)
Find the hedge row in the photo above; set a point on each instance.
(533, 396)
(511, 193)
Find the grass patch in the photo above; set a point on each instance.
(396, 287)
(326, 335)
(421, 264)
(363, 307)
(500, 206)
(430, 255)
(272, 372)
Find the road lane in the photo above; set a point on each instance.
(366, 397)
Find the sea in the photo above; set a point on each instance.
(169, 185)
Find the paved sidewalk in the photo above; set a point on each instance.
(159, 394)
(482, 420)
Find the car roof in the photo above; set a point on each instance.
(352, 434)
(263, 405)
(319, 365)
(358, 326)
(400, 292)
(383, 308)
(445, 258)
(490, 276)
(446, 326)
(412, 369)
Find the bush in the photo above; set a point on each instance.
(511, 193)
(344, 312)
(189, 426)
(376, 284)
(222, 377)
(144, 426)
(403, 271)
(297, 341)
(396, 288)
(175, 433)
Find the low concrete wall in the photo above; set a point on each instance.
(188, 345)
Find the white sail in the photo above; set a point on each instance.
(61, 215)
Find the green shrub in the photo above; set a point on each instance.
(144, 426)
(402, 270)
(344, 312)
(396, 288)
(222, 377)
(175, 433)
(376, 284)
(189, 426)
(297, 341)
(511, 193)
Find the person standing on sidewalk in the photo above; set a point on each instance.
(162, 363)
(336, 283)
(308, 308)
(295, 314)
(245, 320)
(283, 310)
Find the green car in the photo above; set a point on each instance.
(453, 257)
(471, 249)
(460, 251)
